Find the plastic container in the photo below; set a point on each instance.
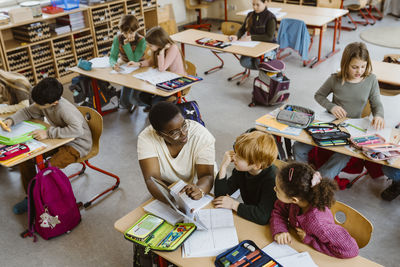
(66, 4)
(34, 6)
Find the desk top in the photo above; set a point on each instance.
(190, 37)
(260, 234)
(312, 16)
(51, 144)
(386, 72)
(127, 80)
(305, 138)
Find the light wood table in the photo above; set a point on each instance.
(386, 72)
(126, 80)
(51, 144)
(305, 138)
(261, 235)
(313, 17)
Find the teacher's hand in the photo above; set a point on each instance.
(193, 191)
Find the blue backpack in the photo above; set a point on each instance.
(190, 110)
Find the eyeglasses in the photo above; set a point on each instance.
(175, 134)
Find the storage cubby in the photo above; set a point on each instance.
(62, 47)
(104, 35)
(45, 71)
(116, 11)
(85, 55)
(149, 4)
(83, 42)
(29, 75)
(18, 59)
(100, 15)
(64, 65)
(32, 32)
(41, 53)
(134, 8)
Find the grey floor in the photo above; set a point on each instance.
(95, 242)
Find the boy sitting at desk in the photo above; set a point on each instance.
(254, 174)
(66, 122)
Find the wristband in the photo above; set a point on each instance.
(202, 192)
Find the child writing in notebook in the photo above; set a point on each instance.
(65, 122)
(259, 25)
(254, 175)
(166, 56)
(128, 47)
(14, 91)
(352, 87)
(304, 199)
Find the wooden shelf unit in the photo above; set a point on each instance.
(297, 2)
(53, 56)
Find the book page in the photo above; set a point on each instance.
(100, 62)
(245, 43)
(125, 69)
(302, 259)
(155, 76)
(277, 251)
(164, 211)
(220, 236)
(19, 129)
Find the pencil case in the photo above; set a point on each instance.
(383, 151)
(8, 152)
(295, 116)
(157, 234)
(246, 253)
(177, 83)
(360, 141)
(328, 134)
(212, 42)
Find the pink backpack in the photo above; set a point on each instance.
(52, 208)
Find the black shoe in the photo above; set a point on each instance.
(132, 108)
(147, 109)
(391, 192)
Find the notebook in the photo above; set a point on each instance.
(20, 132)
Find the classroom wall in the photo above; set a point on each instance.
(216, 11)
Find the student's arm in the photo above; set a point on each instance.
(151, 168)
(242, 29)
(227, 186)
(375, 100)
(279, 218)
(166, 59)
(321, 95)
(332, 239)
(73, 120)
(269, 34)
(114, 52)
(138, 53)
(15, 107)
(28, 113)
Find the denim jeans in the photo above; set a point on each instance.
(252, 63)
(329, 169)
(392, 173)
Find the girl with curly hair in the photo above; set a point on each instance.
(304, 199)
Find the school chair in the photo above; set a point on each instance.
(359, 227)
(95, 122)
(359, 7)
(227, 28)
(293, 33)
(200, 23)
(337, 4)
(372, 7)
(191, 70)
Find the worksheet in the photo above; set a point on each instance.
(155, 76)
(220, 236)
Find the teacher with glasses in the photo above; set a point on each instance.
(173, 148)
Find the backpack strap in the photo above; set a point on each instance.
(277, 96)
(31, 213)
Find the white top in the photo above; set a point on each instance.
(199, 149)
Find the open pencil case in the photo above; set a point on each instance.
(383, 151)
(360, 141)
(7, 152)
(157, 234)
(295, 116)
(328, 134)
(246, 253)
(212, 42)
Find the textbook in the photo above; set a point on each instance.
(271, 124)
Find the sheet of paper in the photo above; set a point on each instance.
(19, 129)
(190, 205)
(280, 15)
(277, 251)
(270, 121)
(324, 116)
(220, 236)
(125, 69)
(362, 123)
(297, 260)
(236, 194)
(164, 211)
(35, 145)
(245, 43)
(273, 10)
(100, 62)
(155, 76)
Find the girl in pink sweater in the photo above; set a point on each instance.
(304, 199)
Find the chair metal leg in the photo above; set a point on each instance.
(82, 171)
(356, 179)
(217, 67)
(241, 75)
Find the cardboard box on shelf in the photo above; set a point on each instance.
(20, 14)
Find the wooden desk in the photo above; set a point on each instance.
(126, 80)
(190, 36)
(261, 235)
(386, 72)
(51, 144)
(305, 138)
(313, 17)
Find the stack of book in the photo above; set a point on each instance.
(271, 124)
(75, 20)
(59, 29)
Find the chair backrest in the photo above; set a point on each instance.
(356, 4)
(329, 3)
(230, 28)
(366, 111)
(359, 227)
(191, 70)
(95, 122)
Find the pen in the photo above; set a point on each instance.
(4, 126)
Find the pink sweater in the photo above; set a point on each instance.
(321, 231)
(171, 61)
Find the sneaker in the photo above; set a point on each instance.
(132, 108)
(21, 207)
(391, 192)
(147, 109)
(342, 182)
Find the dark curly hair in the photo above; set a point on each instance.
(320, 196)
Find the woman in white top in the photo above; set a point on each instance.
(173, 149)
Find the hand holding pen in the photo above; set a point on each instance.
(6, 124)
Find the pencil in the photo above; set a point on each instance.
(4, 126)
